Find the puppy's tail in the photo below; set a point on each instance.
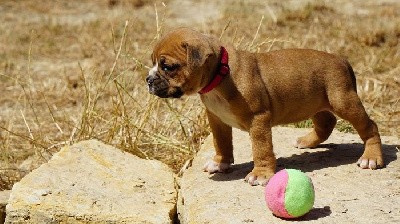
(352, 75)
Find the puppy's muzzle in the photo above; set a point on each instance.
(160, 87)
(157, 86)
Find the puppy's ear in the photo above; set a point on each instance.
(197, 52)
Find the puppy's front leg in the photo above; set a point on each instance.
(222, 134)
(263, 155)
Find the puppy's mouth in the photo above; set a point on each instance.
(161, 88)
(166, 92)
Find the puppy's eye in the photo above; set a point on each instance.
(167, 68)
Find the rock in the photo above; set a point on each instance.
(4, 195)
(344, 192)
(91, 182)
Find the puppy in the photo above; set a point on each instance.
(255, 91)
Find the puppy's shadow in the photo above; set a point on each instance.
(335, 155)
(236, 172)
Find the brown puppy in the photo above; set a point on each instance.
(256, 91)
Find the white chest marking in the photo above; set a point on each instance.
(221, 108)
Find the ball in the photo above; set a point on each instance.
(289, 194)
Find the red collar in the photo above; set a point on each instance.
(223, 71)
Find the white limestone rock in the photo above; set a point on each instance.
(90, 182)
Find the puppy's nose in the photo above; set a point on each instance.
(149, 80)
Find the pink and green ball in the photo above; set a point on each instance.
(290, 194)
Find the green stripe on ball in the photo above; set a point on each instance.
(299, 194)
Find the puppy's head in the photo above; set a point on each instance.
(183, 62)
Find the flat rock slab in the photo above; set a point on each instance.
(91, 182)
(344, 192)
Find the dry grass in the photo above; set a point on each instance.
(74, 70)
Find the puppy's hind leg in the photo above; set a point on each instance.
(324, 122)
(349, 107)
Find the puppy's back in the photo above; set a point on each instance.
(298, 81)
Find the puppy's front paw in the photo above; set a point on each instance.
(259, 176)
(213, 167)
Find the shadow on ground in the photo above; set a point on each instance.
(313, 214)
(335, 155)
